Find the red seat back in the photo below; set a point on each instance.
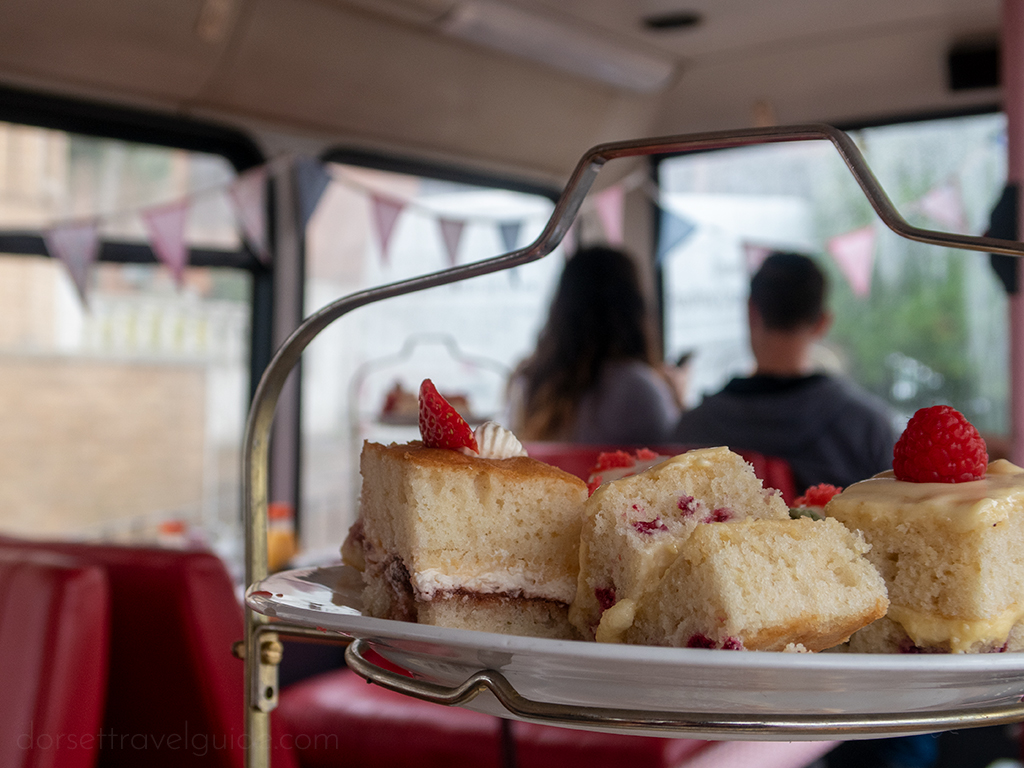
(54, 641)
(579, 460)
(175, 691)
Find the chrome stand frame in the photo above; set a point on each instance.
(260, 653)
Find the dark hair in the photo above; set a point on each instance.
(788, 291)
(598, 314)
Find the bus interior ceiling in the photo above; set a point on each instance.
(520, 87)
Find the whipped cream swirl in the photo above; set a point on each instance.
(495, 442)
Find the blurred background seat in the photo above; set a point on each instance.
(174, 691)
(54, 641)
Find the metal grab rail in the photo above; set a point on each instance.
(261, 678)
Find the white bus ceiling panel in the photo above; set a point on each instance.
(384, 85)
(400, 76)
(879, 73)
(134, 51)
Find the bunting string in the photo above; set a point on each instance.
(76, 243)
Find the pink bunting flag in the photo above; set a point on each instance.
(77, 246)
(610, 204)
(854, 254)
(385, 214)
(945, 206)
(166, 227)
(451, 233)
(248, 194)
(755, 255)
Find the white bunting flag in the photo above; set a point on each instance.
(945, 206)
(610, 205)
(77, 246)
(385, 214)
(451, 234)
(755, 255)
(166, 227)
(854, 254)
(248, 194)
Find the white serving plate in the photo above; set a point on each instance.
(579, 675)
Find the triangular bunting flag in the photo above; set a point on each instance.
(609, 204)
(385, 213)
(509, 231)
(945, 206)
(674, 230)
(166, 228)
(311, 178)
(77, 246)
(248, 194)
(755, 255)
(854, 254)
(451, 233)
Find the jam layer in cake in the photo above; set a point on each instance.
(458, 540)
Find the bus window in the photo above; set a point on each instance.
(914, 324)
(122, 414)
(361, 375)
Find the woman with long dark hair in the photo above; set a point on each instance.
(595, 376)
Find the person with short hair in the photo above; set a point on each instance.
(828, 429)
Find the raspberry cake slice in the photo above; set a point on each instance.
(945, 529)
(483, 538)
(762, 585)
(633, 529)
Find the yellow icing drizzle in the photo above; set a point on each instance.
(927, 629)
(616, 620)
(964, 505)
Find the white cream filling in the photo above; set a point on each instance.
(431, 581)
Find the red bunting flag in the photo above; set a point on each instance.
(166, 227)
(385, 213)
(610, 204)
(451, 234)
(854, 254)
(248, 194)
(77, 246)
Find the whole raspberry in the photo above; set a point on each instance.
(939, 445)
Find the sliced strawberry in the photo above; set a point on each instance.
(817, 495)
(441, 426)
(613, 460)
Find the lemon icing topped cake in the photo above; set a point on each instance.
(633, 529)
(946, 530)
(464, 530)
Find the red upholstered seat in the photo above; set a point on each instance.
(580, 459)
(338, 720)
(174, 689)
(378, 727)
(54, 640)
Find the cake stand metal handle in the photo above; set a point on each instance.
(729, 725)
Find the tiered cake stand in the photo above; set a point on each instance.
(686, 692)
